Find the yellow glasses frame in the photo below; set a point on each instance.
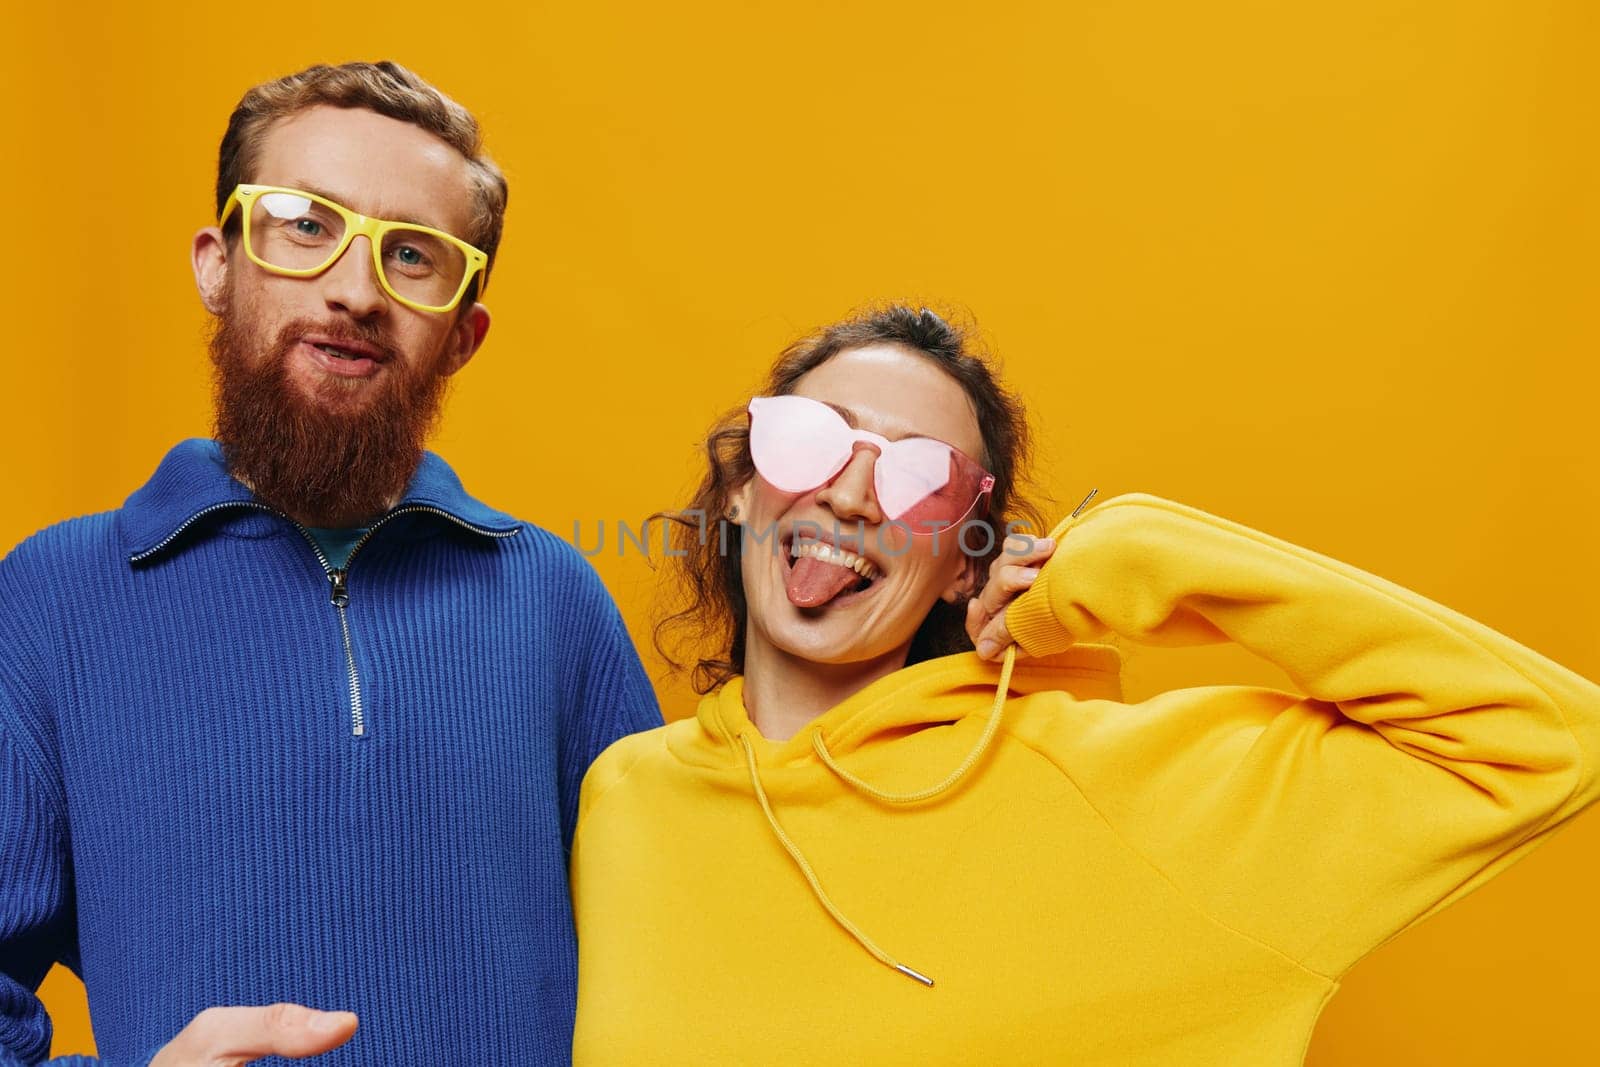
(355, 225)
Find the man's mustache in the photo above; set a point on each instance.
(338, 332)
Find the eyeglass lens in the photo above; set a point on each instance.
(298, 233)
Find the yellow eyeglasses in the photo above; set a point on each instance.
(300, 234)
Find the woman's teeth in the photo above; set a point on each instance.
(837, 556)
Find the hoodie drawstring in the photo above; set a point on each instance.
(811, 876)
(889, 798)
(950, 779)
(863, 786)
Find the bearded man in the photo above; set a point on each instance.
(290, 744)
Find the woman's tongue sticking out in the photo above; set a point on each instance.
(813, 582)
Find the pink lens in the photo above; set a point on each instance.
(925, 504)
(799, 444)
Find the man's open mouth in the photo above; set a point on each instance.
(347, 353)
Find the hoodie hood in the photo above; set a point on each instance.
(935, 693)
(903, 723)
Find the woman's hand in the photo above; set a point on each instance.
(1012, 572)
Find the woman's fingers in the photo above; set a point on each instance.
(1023, 552)
(1011, 573)
(976, 619)
(992, 642)
(1002, 587)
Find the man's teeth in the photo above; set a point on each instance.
(837, 556)
(340, 352)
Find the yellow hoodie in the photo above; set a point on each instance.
(1181, 881)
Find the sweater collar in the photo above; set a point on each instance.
(193, 479)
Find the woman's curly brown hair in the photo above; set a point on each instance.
(708, 609)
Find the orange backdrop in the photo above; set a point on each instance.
(1327, 269)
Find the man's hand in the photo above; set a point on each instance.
(1011, 573)
(229, 1037)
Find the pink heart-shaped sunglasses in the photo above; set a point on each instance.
(799, 444)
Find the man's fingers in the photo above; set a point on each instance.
(282, 1030)
(227, 1037)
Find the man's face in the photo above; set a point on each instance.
(329, 438)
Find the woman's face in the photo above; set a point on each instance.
(897, 393)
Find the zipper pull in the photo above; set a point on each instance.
(340, 595)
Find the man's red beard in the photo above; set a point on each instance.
(341, 456)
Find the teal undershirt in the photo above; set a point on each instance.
(336, 544)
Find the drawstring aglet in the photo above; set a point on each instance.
(811, 876)
(909, 973)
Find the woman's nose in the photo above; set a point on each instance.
(851, 494)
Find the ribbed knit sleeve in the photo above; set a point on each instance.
(36, 920)
(33, 877)
(609, 694)
(1424, 753)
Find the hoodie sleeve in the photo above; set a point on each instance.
(1423, 754)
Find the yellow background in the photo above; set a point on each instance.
(1325, 268)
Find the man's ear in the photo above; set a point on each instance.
(208, 255)
(466, 337)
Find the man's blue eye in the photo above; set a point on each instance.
(309, 227)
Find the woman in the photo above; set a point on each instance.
(873, 844)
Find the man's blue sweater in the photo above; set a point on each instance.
(228, 776)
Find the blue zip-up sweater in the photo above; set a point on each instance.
(228, 776)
